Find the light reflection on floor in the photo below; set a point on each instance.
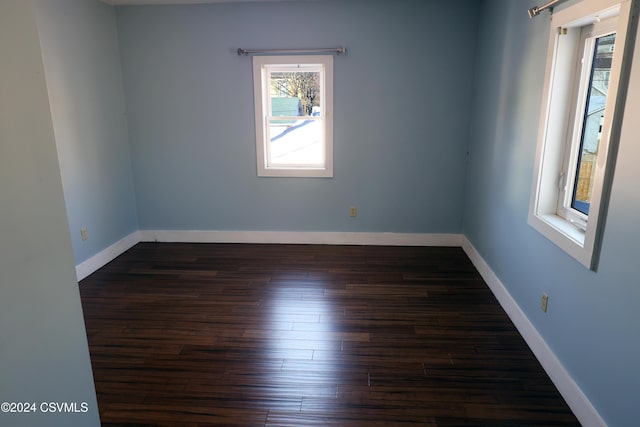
(312, 332)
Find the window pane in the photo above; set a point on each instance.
(296, 142)
(592, 124)
(295, 93)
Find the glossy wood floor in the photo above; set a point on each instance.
(284, 335)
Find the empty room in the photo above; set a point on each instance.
(319, 213)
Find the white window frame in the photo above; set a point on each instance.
(586, 43)
(549, 212)
(262, 65)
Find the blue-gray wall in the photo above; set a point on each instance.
(401, 114)
(43, 345)
(419, 87)
(84, 79)
(593, 317)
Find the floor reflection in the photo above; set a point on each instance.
(313, 328)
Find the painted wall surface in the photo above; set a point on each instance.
(82, 65)
(401, 114)
(591, 323)
(43, 347)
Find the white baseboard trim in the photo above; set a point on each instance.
(281, 237)
(570, 391)
(301, 237)
(107, 255)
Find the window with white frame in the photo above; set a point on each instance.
(586, 76)
(294, 115)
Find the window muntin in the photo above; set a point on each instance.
(293, 98)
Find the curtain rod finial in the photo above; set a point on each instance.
(533, 12)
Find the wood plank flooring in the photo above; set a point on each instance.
(302, 335)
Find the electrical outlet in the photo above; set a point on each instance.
(83, 233)
(353, 212)
(544, 302)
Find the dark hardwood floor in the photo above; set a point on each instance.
(286, 335)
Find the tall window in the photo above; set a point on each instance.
(293, 112)
(596, 47)
(579, 124)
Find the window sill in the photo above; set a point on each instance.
(564, 235)
(564, 227)
(295, 173)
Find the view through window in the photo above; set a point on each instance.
(591, 132)
(295, 131)
(294, 103)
